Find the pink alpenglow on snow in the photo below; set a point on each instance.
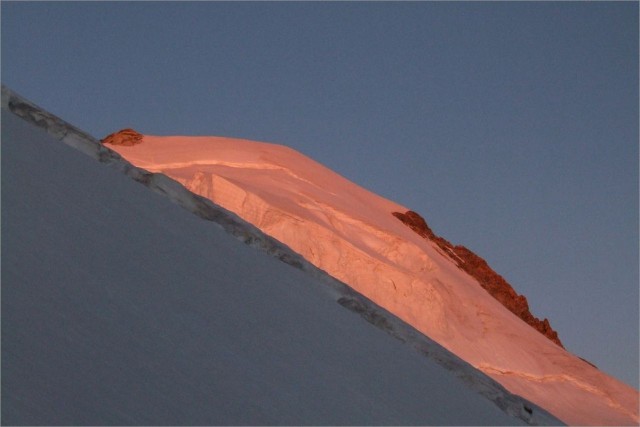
(352, 234)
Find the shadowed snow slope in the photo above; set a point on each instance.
(351, 234)
(119, 307)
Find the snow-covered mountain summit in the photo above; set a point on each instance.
(120, 308)
(353, 235)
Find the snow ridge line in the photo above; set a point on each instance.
(475, 379)
(159, 166)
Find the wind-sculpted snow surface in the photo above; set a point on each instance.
(351, 234)
(119, 309)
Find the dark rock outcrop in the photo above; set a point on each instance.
(123, 137)
(478, 268)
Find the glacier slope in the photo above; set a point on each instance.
(350, 233)
(120, 308)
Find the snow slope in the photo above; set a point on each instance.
(121, 308)
(351, 234)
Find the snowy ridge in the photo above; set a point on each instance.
(252, 236)
(351, 234)
(119, 308)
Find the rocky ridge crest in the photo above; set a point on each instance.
(478, 268)
(125, 137)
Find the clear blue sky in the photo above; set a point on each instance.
(511, 127)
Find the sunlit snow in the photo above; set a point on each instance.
(350, 233)
(121, 308)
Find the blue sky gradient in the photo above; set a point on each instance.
(511, 127)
